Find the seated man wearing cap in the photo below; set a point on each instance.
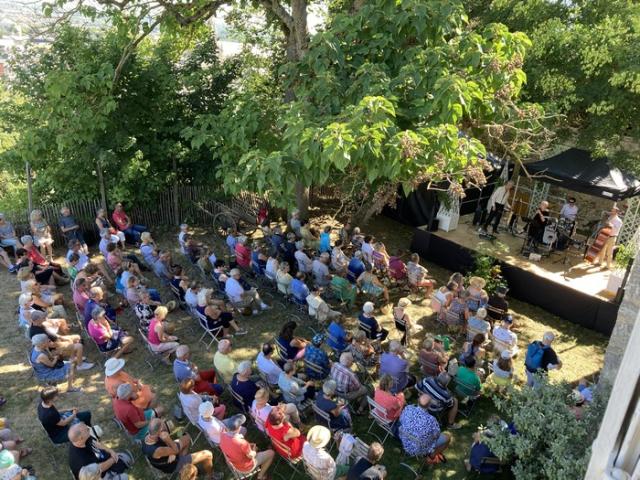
(441, 398)
(318, 308)
(205, 380)
(243, 385)
(168, 455)
(504, 338)
(420, 433)
(260, 409)
(211, 426)
(321, 465)
(135, 419)
(114, 376)
(242, 455)
(396, 366)
(477, 324)
(241, 294)
(267, 366)
(85, 450)
(317, 363)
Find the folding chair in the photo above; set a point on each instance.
(429, 369)
(281, 350)
(130, 438)
(360, 449)
(420, 458)
(176, 294)
(494, 314)
(156, 356)
(55, 446)
(499, 346)
(315, 368)
(314, 472)
(157, 474)
(467, 400)
(379, 415)
(238, 399)
(212, 334)
(292, 462)
(237, 474)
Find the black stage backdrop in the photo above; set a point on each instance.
(563, 301)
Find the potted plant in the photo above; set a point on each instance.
(623, 257)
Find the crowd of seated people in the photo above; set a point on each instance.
(340, 372)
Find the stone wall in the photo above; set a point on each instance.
(626, 318)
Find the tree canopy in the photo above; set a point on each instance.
(584, 63)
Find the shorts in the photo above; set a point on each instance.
(441, 441)
(182, 461)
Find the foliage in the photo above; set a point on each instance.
(550, 442)
(380, 98)
(74, 117)
(487, 267)
(625, 254)
(583, 64)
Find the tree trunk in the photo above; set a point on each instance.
(103, 195)
(29, 187)
(302, 200)
(176, 205)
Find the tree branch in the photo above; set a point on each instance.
(275, 7)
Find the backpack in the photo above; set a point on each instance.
(535, 352)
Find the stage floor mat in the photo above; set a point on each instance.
(575, 273)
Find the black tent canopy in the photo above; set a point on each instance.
(577, 170)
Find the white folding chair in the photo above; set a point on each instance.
(211, 334)
(379, 415)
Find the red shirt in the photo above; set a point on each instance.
(393, 404)
(35, 257)
(237, 450)
(294, 444)
(243, 255)
(128, 414)
(120, 219)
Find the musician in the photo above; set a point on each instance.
(498, 201)
(569, 210)
(539, 222)
(606, 253)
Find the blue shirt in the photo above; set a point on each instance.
(478, 452)
(67, 222)
(419, 431)
(326, 405)
(247, 390)
(337, 337)
(276, 241)
(396, 368)
(320, 358)
(355, 267)
(299, 290)
(231, 243)
(182, 370)
(162, 271)
(325, 242)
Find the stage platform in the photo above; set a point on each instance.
(574, 290)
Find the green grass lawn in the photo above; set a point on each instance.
(581, 350)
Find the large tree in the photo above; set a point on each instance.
(584, 64)
(75, 123)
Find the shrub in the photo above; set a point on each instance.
(551, 443)
(488, 268)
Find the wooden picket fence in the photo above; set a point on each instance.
(196, 205)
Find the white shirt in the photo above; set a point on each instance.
(269, 368)
(284, 280)
(190, 404)
(233, 289)
(314, 303)
(320, 273)
(339, 260)
(616, 225)
(569, 211)
(82, 262)
(321, 460)
(181, 241)
(505, 336)
(272, 268)
(304, 262)
(262, 414)
(191, 298)
(104, 242)
(212, 428)
(500, 195)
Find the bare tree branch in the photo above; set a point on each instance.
(275, 7)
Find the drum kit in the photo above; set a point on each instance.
(558, 235)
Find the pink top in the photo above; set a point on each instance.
(120, 219)
(80, 299)
(98, 332)
(152, 336)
